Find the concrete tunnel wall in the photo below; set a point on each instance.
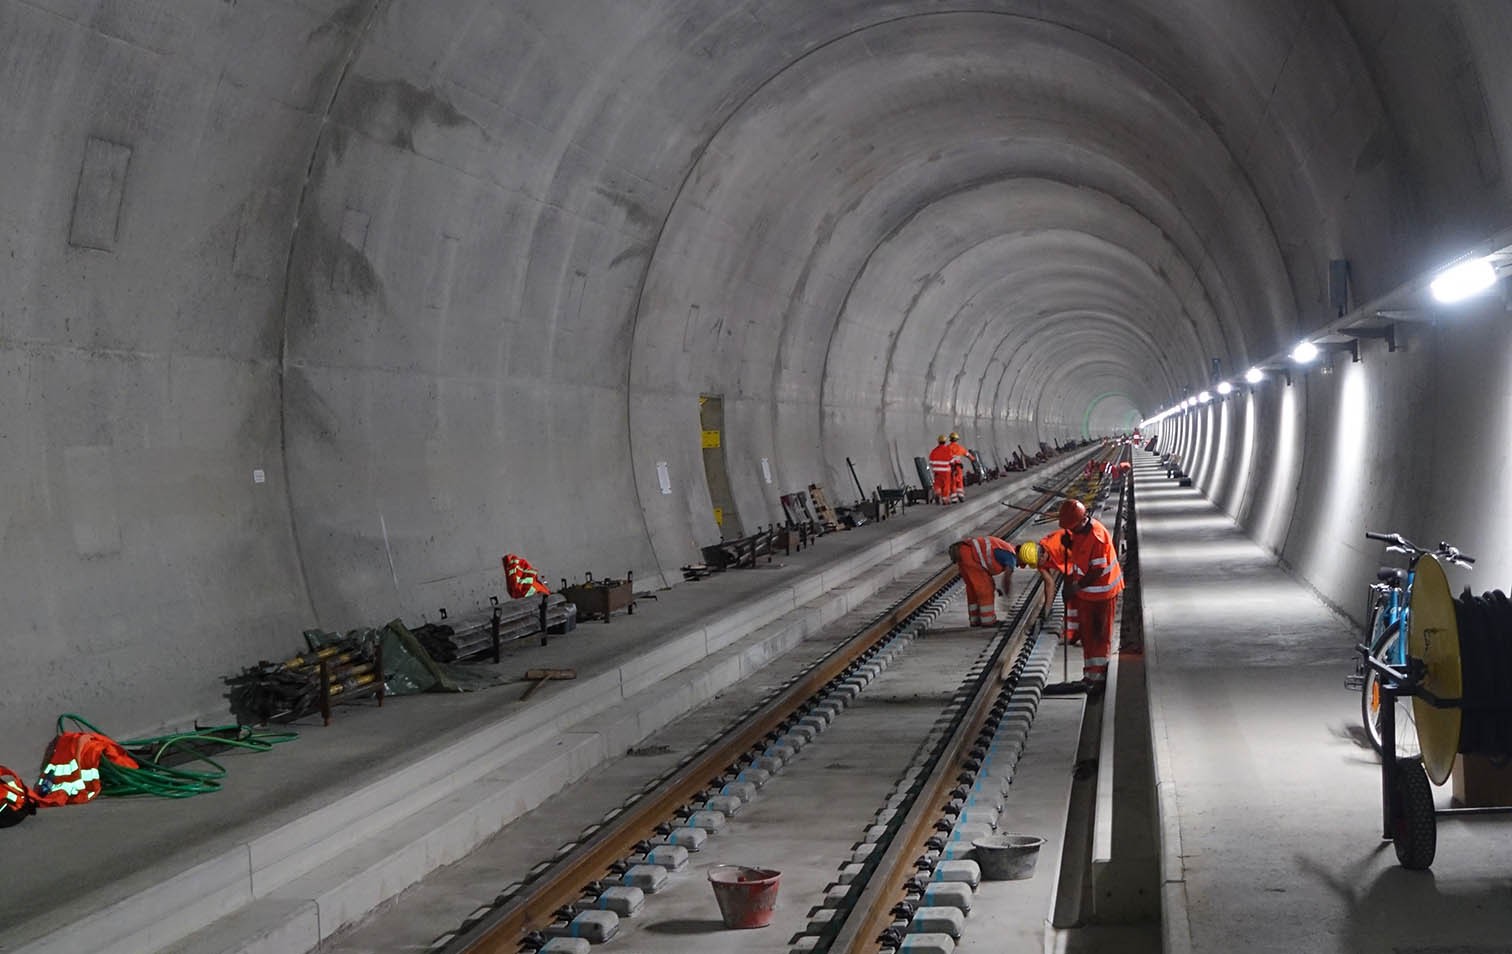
(313, 308)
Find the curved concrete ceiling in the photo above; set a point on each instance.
(318, 306)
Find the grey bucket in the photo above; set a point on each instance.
(1007, 857)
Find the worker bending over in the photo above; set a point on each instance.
(980, 561)
(1093, 580)
(1048, 556)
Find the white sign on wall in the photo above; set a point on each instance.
(259, 477)
(766, 470)
(664, 477)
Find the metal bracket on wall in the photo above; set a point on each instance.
(1387, 334)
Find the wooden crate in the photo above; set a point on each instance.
(601, 599)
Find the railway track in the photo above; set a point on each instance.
(942, 716)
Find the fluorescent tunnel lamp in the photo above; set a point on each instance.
(1463, 281)
(1254, 376)
(1304, 352)
(1225, 388)
(1205, 396)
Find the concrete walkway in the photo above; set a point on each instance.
(1270, 794)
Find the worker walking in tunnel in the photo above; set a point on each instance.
(959, 458)
(980, 561)
(939, 468)
(1093, 579)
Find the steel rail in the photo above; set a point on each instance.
(872, 912)
(504, 929)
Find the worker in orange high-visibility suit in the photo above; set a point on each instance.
(1093, 581)
(959, 457)
(939, 468)
(1049, 557)
(980, 560)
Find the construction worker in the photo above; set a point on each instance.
(980, 560)
(939, 469)
(1048, 556)
(959, 457)
(1091, 586)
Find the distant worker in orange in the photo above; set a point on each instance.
(980, 561)
(1091, 586)
(939, 469)
(959, 457)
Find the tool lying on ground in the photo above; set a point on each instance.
(539, 678)
(457, 640)
(347, 669)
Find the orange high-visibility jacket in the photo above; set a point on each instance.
(1053, 551)
(959, 452)
(940, 458)
(1094, 557)
(71, 775)
(521, 579)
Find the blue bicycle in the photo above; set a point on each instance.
(1390, 599)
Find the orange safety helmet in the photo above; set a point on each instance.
(1073, 513)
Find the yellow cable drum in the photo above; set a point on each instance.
(1433, 638)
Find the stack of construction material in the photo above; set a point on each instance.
(281, 692)
(517, 619)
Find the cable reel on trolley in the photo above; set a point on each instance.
(1434, 677)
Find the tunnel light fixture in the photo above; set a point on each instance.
(1462, 281)
(1304, 352)
(1225, 389)
(1205, 397)
(1254, 375)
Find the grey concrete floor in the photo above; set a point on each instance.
(1273, 834)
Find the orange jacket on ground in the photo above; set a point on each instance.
(72, 773)
(521, 579)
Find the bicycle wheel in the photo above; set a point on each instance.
(1414, 824)
(1388, 649)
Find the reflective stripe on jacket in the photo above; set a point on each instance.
(71, 775)
(1093, 556)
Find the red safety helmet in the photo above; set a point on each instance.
(16, 801)
(1073, 513)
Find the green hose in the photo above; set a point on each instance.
(153, 778)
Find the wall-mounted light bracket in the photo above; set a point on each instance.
(1352, 346)
(1387, 334)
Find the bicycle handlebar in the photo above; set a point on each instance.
(1400, 543)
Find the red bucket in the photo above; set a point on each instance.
(747, 896)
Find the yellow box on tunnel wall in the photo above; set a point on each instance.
(710, 439)
(719, 515)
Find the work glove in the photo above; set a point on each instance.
(1070, 588)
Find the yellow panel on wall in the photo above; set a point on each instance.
(710, 439)
(719, 515)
